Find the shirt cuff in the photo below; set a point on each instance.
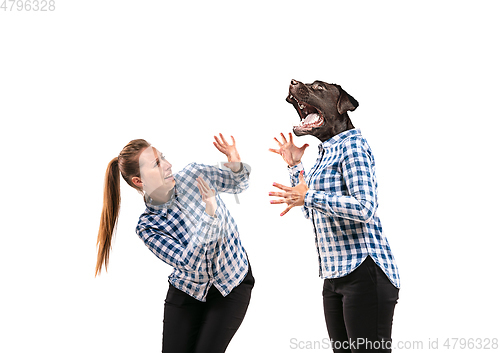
(209, 228)
(295, 169)
(208, 220)
(315, 199)
(239, 170)
(309, 198)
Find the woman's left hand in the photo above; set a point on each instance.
(230, 151)
(292, 196)
(207, 196)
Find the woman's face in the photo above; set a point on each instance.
(156, 175)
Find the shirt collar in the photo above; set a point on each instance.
(148, 200)
(339, 137)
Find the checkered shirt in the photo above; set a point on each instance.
(202, 250)
(341, 203)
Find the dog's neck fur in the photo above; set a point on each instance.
(340, 124)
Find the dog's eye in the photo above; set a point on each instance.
(318, 87)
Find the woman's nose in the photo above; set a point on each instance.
(166, 165)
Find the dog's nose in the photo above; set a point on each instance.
(293, 83)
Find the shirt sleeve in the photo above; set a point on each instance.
(170, 250)
(358, 173)
(294, 180)
(227, 180)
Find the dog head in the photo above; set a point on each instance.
(322, 108)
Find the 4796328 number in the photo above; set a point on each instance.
(28, 5)
(471, 343)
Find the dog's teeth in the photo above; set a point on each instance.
(301, 106)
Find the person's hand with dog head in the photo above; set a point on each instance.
(290, 153)
(292, 196)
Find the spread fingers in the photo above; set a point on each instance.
(282, 187)
(286, 210)
(278, 194)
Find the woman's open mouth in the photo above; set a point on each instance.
(169, 176)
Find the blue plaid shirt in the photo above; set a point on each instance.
(341, 203)
(202, 250)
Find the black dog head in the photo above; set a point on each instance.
(322, 108)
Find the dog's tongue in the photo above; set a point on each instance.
(311, 118)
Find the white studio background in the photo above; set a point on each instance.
(79, 82)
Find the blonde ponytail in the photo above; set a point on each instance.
(126, 164)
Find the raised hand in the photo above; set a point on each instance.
(290, 153)
(207, 195)
(292, 196)
(230, 151)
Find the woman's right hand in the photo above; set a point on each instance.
(291, 154)
(208, 196)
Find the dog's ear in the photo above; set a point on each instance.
(346, 102)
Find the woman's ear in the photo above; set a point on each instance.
(137, 182)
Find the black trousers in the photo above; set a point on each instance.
(359, 309)
(192, 326)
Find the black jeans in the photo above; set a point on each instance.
(359, 309)
(192, 326)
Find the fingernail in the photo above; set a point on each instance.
(270, 194)
(274, 184)
(281, 215)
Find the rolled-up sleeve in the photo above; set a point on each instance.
(225, 179)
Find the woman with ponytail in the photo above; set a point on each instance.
(187, 225)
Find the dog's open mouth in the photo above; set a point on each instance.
(310, 117)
